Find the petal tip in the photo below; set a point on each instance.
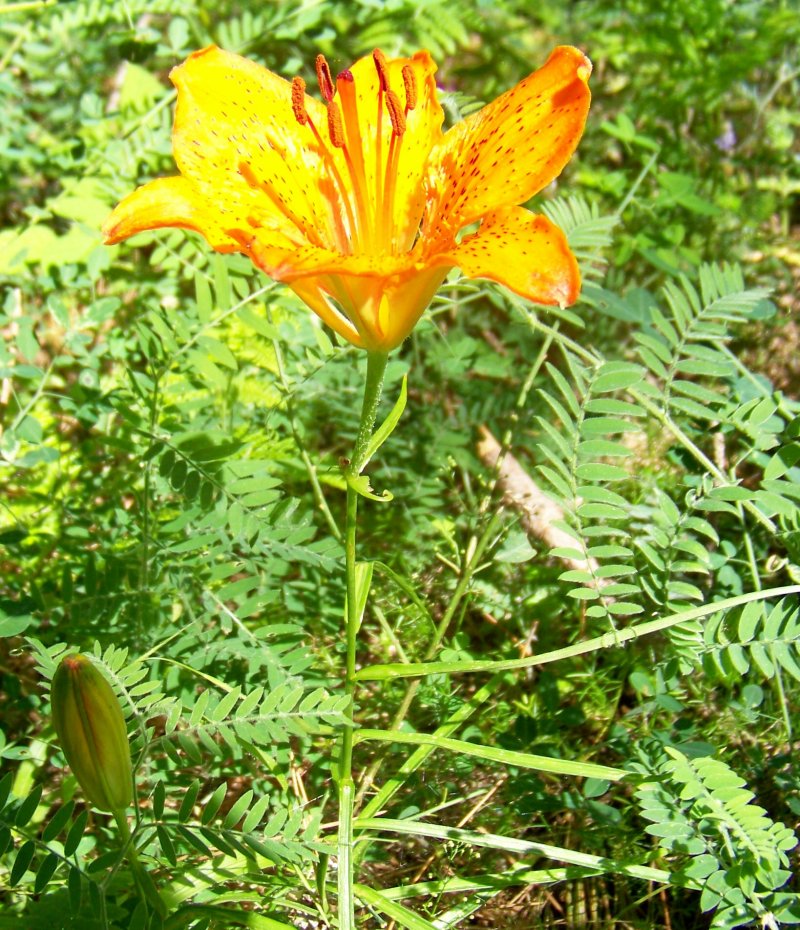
(178, 70)
(582, 63)
(109, 230)
(567, 293)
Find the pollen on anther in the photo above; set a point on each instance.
(335, 127)
(324, 79)
(382, 67)
(396, 114)
(410, 84)
(298, 100)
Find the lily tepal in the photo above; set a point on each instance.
(359, 202)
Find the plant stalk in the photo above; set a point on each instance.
(376, 370)
(144, 882)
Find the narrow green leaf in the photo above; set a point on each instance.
(45, 872)
(600, 471)
(581, 576)
(219, 352)
(203, 297)
(614, 407)
(616, 376)
(564, 552)
(6, 783)
(194, 840)
(22, 862)
(74, 888)
(27, 808)
(512, 845)
(75, 834)
(223, 710)
(214, 803)
(605, 448)
(250, 702)
(236, 812)
(188, 802)
(398, 912)
(58, 821)
(255, 814)
(166, 844)
(494, 754)
(222, 283)
(749, 621)
(784, 656)
(613, 639)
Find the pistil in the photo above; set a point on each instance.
(398, 118)
(382, 68)
(354, 152)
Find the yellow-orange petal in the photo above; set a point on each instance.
(524, 251)
(512, 148)
(283, 261)
(385, 310)
(373, 301)
(168, 202)
(236, 138)
(311, 292)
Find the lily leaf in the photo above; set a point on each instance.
(360, 484)
(399, 913)
(363, 584)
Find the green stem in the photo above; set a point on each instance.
(24, 6)
(144, 882)
(376, 369)
(471, 564)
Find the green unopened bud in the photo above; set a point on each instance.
(91, 728)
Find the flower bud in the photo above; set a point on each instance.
(91, 729)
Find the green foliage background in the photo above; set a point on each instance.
(172, 424)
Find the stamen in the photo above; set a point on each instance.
(348, 236)
(298, 100)
(410, 84)
(354, 155)
(396, 114)
(335, 126)
(382, 67)
(324, 79)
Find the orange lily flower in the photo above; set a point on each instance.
(358, 203)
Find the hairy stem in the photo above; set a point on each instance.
(376, 369)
